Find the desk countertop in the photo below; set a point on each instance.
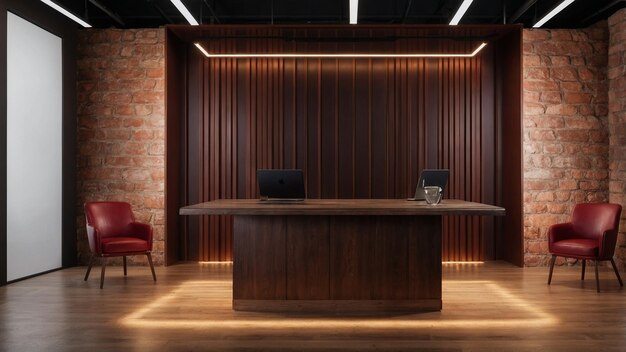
(340, 207)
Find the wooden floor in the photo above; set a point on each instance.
(492, 306)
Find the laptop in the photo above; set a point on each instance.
(281, 185)
(430, 177)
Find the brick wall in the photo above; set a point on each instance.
(617, 121)
(566, 153)
(121, 126)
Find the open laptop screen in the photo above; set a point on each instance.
(281, 184)
(431, 177)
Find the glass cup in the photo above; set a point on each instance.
(432, 194)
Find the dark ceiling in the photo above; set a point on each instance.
(154, 13)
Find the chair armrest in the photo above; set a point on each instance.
(141, 230)
(558, 232)
(94, 239)
(607, 244)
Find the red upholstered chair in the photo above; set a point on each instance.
(590, 235)
(113, 232)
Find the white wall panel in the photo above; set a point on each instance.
(34, 145)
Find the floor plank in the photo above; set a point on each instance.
(486, 307)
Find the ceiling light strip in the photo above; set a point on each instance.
(183, 10)
(460, 12)
(66, 13)
(354, 11)
(556, 10)
(347, 55)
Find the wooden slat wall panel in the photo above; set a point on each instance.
(359, 128)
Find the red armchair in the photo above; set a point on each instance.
(113, 232)
(590, 235)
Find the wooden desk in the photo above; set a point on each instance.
(338, 255)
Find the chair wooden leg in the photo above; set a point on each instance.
(582, 276)
(124, 264)
(151, 265)
(597, 278)
(552, 260)
(104, 265)
(89, 267)
(616, 272)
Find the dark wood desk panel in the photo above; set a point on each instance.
(307, 254)
(370, 256)
(259, 243)
(338, 255)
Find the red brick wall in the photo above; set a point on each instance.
(121, 125)
(566, 153)
(617, 119)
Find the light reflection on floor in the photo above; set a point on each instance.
(194, 303)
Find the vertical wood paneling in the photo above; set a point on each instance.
(511, 246)
(360, 128)
(176, 70)
(194, 145)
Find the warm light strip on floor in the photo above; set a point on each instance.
(556, 10)
(463, 262)
(335, 56)
(215, 262)
(148, 316)
(66, 13)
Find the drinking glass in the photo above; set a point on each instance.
(432, 194)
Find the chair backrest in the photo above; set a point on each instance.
(109, 218)
(591, 220)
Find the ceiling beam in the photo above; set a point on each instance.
(406, 10)
(517, 14)
(616, 2)
(167, 18)
(114, 16)
(213, 15)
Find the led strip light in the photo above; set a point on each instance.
(336, 56)
(460, 12)
(354, 11)
(66, 13)
(185, 12)
(556, 10)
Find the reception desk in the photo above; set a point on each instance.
(337, 255)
